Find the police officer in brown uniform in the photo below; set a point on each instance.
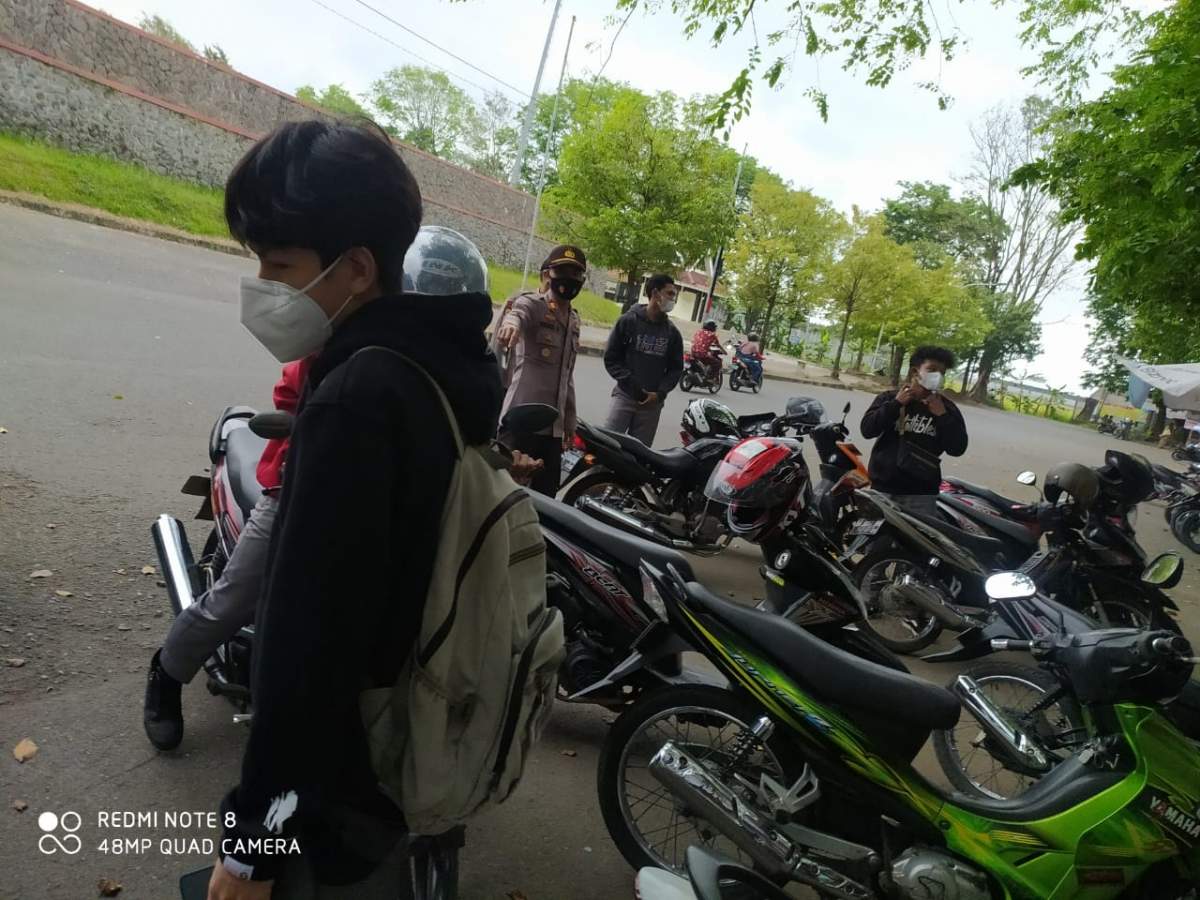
(541, 332)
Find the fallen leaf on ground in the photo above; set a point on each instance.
(20, 805)
(149, 570)
(51, 526)
(41, 573)
(3, 431)
(124, 628)
(15, 662)
(118, 571)
(108, 887)
(64, 594)
(569, 753)
(118, 397)
(25, 749)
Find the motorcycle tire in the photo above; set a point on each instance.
(1178, 455)
(686, 383)
(734, 381)
(1186, 528)
(696, 704)
(714, 386)
(1037, 682)
(756, 386)
(924, 626)
(1127, 610)
(587, 484)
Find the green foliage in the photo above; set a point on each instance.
(334, 99)
(160, 27)
(782, 250)
(641, 193)
(581, 101)
(424, 108)
(936, 226)
(215, 53)
(875, 39)
(1125, 166)
(592, 308)
(492, 140)
(123, 189)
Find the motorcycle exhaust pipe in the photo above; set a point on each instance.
(710, 799)
(927, 599)
(626, 522)
(1013, 742)
(175, 560)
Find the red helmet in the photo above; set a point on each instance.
(759, 480)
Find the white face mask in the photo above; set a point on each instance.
(666, 305)
(288, 322)
(932, 381)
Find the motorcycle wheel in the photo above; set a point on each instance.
(962, 751)
(1130, 611)
(714, 386)
(686, 383)
(755, 386)
(1186, 527)
(648, 825)
(734, 381)
(901, 630)
(598, 481)
(1178, 455)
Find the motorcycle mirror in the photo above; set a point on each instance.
(529, 418)
(1027, 477)
(273, 426)
(846, 409)
(1164, 571)
(1009, 586)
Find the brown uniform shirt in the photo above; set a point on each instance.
(541, 367)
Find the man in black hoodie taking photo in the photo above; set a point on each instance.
(329, 210)
(913, 427)
(645, 356)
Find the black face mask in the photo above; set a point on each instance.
(566, 288)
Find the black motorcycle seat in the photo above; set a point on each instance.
(1024, 511)
(833, 674)
(672, 463)
(605, 540)
(1014, 531)
(243, 449)
(1066, 785)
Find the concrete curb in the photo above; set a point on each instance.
(108, 220)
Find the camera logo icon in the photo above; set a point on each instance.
(50, 843)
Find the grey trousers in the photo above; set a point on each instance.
(626, 417)
(218, 614)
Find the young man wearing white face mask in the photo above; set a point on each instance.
(645, 356)
(913, 427)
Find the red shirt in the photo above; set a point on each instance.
(286, 397)
(702, 341)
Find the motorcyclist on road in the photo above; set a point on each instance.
(750, 352)
(703, 342)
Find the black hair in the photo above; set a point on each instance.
(752, 338)
(326, 187)
(937, 354)
(657, 283)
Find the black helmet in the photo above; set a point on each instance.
(1077, 480)
(441, 262)
(706, 417)
(1126, 477)
(710, 325)
(805, 411)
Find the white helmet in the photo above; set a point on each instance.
(441, 261)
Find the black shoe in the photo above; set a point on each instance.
(163, 710)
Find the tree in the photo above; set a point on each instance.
(782, 249)
(493, 137)
(877, 38)
(424, 108)
(938, 227)
(214, 53)
(160, 27)
(1029, 257)
(334, 99)
(640, 193)
(1124, 166)
(580, 102)
(873, 272)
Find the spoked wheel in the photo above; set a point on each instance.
(602, 485)
(649, 825)
(1130, 611)
(1186, 527)
(964, 752)
(901, 626)
(686, 382)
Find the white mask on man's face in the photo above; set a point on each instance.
(666, 304)
(931, 381)
(284, 319)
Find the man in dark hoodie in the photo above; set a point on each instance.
(913, 427)
(329, 210)
(645, 356)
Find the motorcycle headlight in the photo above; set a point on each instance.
(651, 596)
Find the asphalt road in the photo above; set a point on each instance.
(116, 353)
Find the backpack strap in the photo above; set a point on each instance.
(459, 444)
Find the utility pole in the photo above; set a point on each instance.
(515, 175)
(537, 203)
(720, 261)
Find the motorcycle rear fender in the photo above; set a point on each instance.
(620, 464)
(658, 642)
(200, 486)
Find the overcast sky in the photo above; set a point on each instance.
(874, 138)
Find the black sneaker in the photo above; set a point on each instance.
(163, 711)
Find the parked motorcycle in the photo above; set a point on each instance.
(1183, 515)
(1107, 425)
(804, 766)
(709, 877)
(1187, 453)
(699, 374)
(1124, 430)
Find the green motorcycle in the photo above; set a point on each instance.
(802, 768)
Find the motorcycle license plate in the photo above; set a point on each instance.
(570, 459)
(866, 526)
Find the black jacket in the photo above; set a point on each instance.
(936, 435)
(644, 356)
(348, 568)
